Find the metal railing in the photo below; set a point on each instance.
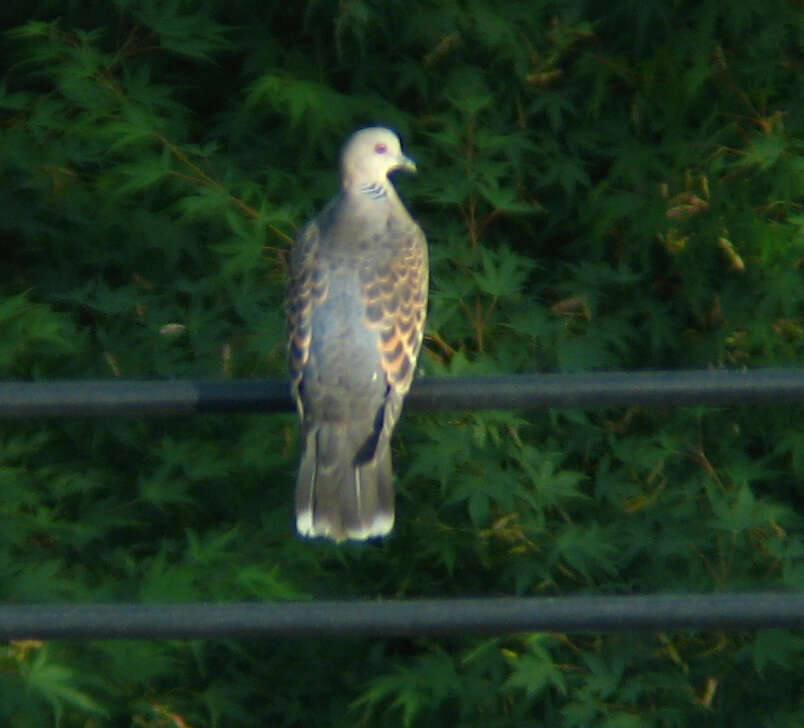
(298, 619)
(606, 389)
(585, 613)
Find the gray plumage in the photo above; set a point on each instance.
(356, 305)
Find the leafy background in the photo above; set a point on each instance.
(604, 186)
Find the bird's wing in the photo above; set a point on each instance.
(307, 287)
(394, 288)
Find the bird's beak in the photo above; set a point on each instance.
(406, 163)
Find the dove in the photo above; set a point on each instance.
(356, 307)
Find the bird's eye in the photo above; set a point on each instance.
(380, 148)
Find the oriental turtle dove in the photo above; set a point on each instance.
(356, 305)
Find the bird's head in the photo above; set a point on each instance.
(369, 155)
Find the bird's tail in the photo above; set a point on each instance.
(339, 494)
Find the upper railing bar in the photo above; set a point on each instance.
(600, 389)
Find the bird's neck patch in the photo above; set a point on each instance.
(375, 190)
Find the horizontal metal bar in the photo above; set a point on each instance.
(602, 389)
(103, 398)
(697, 612)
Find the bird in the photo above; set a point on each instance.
(356, 305)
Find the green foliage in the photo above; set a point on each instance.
(604, 186)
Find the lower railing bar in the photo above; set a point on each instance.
(600, 389)
(697, 612)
